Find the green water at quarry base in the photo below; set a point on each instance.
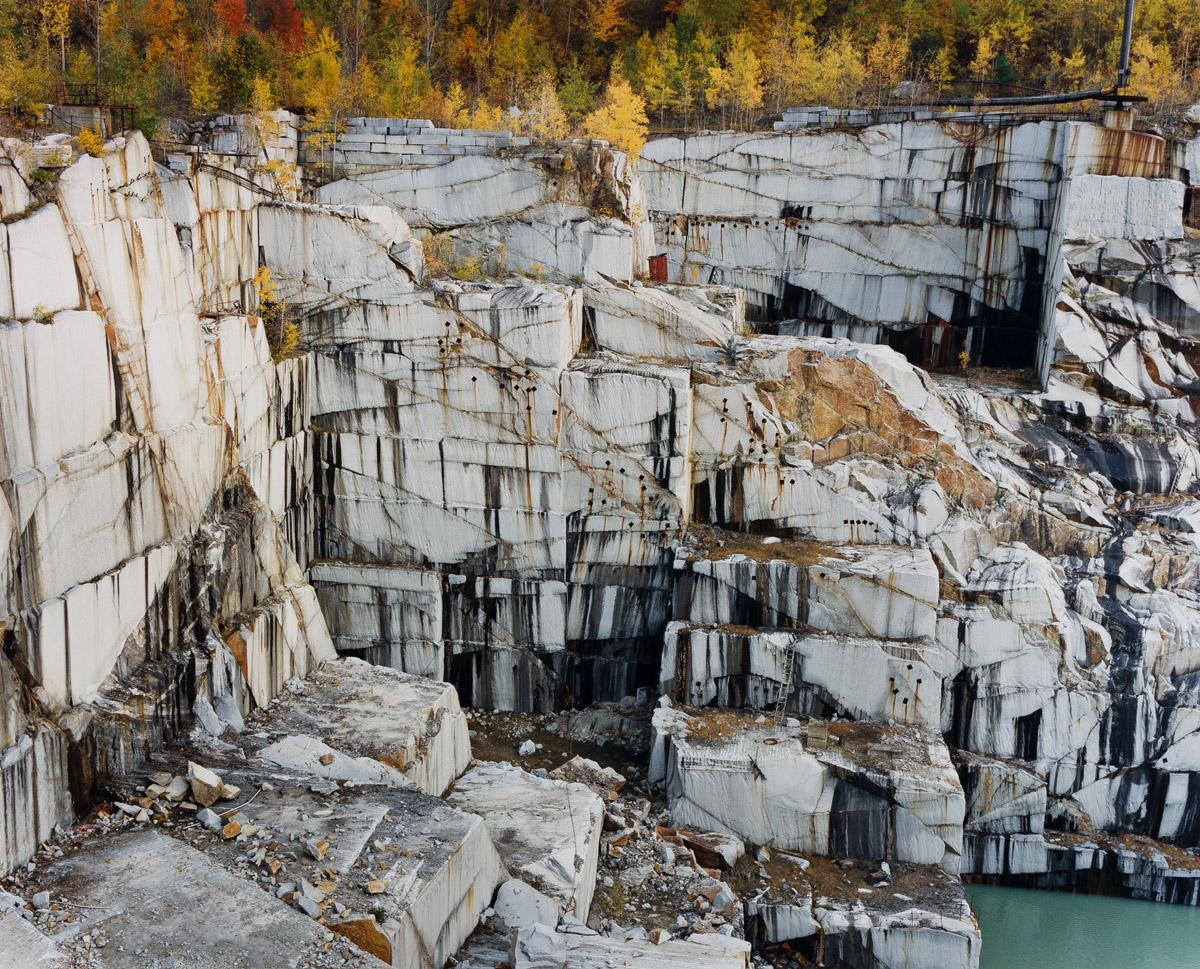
(1026, 929)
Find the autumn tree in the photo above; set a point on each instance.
(22, 83)
(282, 18)
(605, 18)
(1074, 68)
(785, 50)
(403, 83)
(621, 118)
(839, 72)
(695, 74)
(545, 118)
(56, 23)
(659, 71)
(886, 59)
(232, 15)
(1150, 71)
(941, 70)
(326, 94)
(745, 76)
(517, 57)
(203, 91)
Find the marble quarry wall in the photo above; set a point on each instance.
(936, 238)
(562, 483)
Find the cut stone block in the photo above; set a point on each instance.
(548, 831)
(890, 592)
(157, 897)
(918, 918)
(736, 666)
(861, 790)
(408, 723)
(581, 948)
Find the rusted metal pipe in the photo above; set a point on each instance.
(1126, 39)
(1096, 94)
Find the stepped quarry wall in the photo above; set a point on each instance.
(936, 238)
(564, 484)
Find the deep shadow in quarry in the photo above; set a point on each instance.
(1003, 338)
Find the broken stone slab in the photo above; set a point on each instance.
(582, 770)
(410, 726)
(713, 849)
(438, 866)
(582, 948)
(300, 752)
(876, 792)
(22, 946)
(518, 905)
(666, 322)
(920, 920)
(363, 252)
(1002, 797)
(537, 946)
(157, 896)
(206, 786)
(547, 830)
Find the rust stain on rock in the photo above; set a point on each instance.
(365, 934)
(1133, 154)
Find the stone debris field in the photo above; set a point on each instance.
(531, 613)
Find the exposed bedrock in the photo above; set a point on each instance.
(946, 621)
(928, 236)
(860, 791)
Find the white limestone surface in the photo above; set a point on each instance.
(413, 725)
(547, 831)
(896, 797)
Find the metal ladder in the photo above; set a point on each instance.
(785, 688)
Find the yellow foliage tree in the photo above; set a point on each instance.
(718, 91)
(694, 74)
(1074, 68)
(941, 71)
(886, 59)
(659, 74)
(202, 88)
(545, 118)
(985, 56)
(404, 84)
(454, 107)
(787, 60)
(621, 118)
(605, 18)
(90, 142)
(838, 72)
(283, 333)
(485, 117)
(326, 93)
(267, 128)
(745, 76)
(516, 59)
(1150, 70)
(56, 22)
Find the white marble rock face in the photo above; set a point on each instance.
(766, 785)
(572, 484)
